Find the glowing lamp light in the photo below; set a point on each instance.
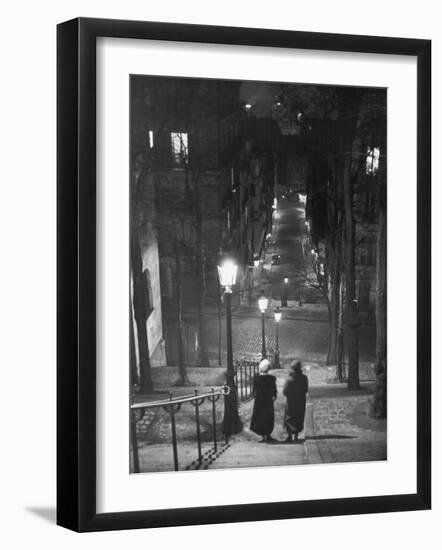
(150, 139)
(286, 280)
(247, 106)
(313, 251)
(262, 303)
(277, 315)
(227, 274)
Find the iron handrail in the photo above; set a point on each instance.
(222, 390)
(172, 406)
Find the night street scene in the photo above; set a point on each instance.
(258, 320)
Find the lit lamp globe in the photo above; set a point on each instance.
(286, 280)
(227, 274)
(277, 314)
(262, 304)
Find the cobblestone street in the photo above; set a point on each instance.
(303, 331)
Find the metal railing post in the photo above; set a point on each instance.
(198, 428)
(174, 441)
(215, 445)
(172, 406)
(133, 432)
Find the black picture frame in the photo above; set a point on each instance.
(76, 273)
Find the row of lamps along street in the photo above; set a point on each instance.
(227, 272)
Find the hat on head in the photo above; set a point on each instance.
(264, 366)
(296, 367)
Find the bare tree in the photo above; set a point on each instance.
(336, 124)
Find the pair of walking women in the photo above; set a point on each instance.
(265, 393)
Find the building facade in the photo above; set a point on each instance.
(213, 169)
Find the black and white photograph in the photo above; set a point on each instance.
(258, 261)
(220, 237)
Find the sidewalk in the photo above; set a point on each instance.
(339, 427)
(245, 451)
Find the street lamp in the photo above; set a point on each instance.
(262, 303)
(276, 364)
(227, 278)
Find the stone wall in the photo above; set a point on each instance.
(333, 416)
(165, 377)
(150, 417)
(319, 375)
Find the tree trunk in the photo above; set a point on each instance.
(202, 337)
(349, 112)
(333, 303)
(350, 284)
(340, 350)
(380, 397)
(182, 373)
(334, 263)
(332, 356)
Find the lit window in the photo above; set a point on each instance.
(180, 149)
(372, 160)
(150, 139)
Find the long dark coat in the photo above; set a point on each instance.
(295, 390)
(263, 415)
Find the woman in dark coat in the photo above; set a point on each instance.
(264, 391)
(295, 390)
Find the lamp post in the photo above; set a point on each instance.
(284, 296)
(249, 284)
(231, 421)
(256, 264)
(277, 314)
(262, 303)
